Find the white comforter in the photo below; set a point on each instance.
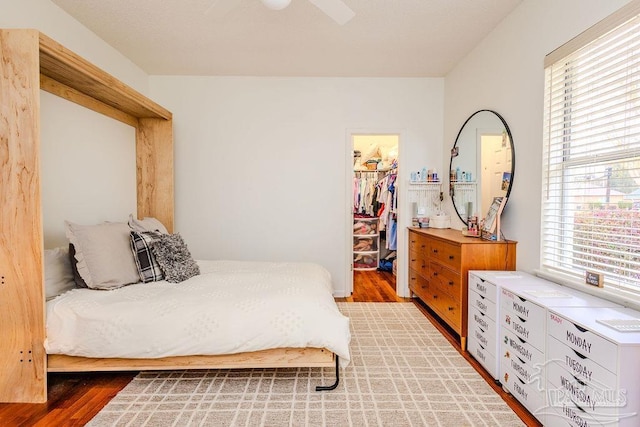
(231, 307)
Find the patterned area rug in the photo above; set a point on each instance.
(403, 372)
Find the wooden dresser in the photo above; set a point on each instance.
(439, 262)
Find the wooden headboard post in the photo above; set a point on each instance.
(30, 61)
(154, 163)
(22, 357)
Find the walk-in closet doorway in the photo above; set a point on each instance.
(373, 215)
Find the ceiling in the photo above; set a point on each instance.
(386, 38)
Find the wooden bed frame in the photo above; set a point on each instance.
(30, 61)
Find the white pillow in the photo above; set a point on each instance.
(146, 224)
(103, 254)
(58, 277)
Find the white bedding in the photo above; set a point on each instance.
(231, 307)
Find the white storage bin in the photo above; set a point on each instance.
(365, 226)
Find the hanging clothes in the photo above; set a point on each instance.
(365, 193)
(388, 199)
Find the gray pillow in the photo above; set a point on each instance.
(174, 258)
(58, 276)
(103, 254)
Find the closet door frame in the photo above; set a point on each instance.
(402, 288)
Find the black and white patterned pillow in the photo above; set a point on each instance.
(148, 267)
(174, 258)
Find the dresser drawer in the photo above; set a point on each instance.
(418, 262)
(482, 320)
(485, 305)
(568, 360)
(532, 375)
(418, 284)
(567, 414)
(509, 343)
(482, 287)
(445, 280)
(447, 307)
(446, 253)
(530, 331)
(527, 394)
(585, 342)
(517, 305)
(600, 403)
(417, 243)
(484, 333)
(483, 356)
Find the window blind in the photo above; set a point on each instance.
(591, 159)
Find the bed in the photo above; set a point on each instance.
(31, 62)
(264, 314)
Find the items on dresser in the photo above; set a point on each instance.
(439, 260)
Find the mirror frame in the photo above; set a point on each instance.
(513, 158)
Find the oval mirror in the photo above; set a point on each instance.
(482, 164)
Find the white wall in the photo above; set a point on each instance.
(261, 163)
(54, 22)
(88, 168)
(88, 160)
(505, 73)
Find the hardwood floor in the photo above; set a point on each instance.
(76, 398)
(374, 286)
(73, 400)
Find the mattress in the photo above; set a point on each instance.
(231, 307)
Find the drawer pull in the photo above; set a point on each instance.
(580, 328)
(435, 251)
(423, 246)
(413, 260)
(521, 299)
(578, 406)
(481, 279)
(579, 355)
(451, 283)
(424, 286)
(450, 256)
(450, 308)
(435, 273)
(435, 297)
(412, 278)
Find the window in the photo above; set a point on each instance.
(591, 157)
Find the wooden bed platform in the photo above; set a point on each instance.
(30, 61)
(272, 358)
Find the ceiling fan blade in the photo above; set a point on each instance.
(220, 8)
(336, 9)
